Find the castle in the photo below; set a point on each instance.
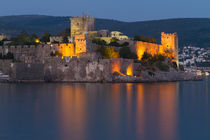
(80, 26)
(82, 30)
(168, 47)
(78, 58)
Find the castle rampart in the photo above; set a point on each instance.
(57, 69)
(168, 47)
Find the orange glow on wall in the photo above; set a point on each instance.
(115, 66)
(129, 71)
(168, 47)
(142, 47)
(73, 49)
(80, 44)
(67, 50)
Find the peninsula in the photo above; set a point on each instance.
(84, 54)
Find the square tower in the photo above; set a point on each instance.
(170, 43)
(80, 44)
(81, 25)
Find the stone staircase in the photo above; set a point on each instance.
(4, 77)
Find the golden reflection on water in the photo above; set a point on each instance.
(129, 91)
(168, 110)
(161, 99)
(116, 104)
(140, 117)
(72, 111)
(146, 105)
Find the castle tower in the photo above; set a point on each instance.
(81, 25)
(80, 44)
(170, 43)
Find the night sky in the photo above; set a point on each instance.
(125, 10)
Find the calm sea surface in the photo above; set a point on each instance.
(158, 111)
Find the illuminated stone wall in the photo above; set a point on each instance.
(74, 49)
(168, 47)
(83, 70)
(67, 49)
(150, 48)
(122, 66)
(80, 44)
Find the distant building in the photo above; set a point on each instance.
(118, 35)
(3, 36)
(81, 25)
(57, 39)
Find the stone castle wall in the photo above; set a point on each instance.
(168, 47)
(83, 70)
(75, 70)
(151, 48)
(31, 53)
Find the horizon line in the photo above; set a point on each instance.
(161, 19)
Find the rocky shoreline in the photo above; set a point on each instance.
(85, 71)
(160, 77)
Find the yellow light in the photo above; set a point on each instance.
(130, 70)
(37, 40)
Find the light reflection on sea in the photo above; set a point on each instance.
(160, 111)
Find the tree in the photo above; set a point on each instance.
(114, 42)
(107, 52)
(125, 44)
(145, 39)
(163, 67)
(125, 52)
(24, 39)
(98, 41)
(146, 57)
(46, 37)
(65, 39)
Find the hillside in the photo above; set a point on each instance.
(191, 31)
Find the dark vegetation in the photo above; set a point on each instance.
(24, 39)
(125, 52)
(144, 39)
(191, 31)
(113, 42)
(65, 34)
(156, 60)
(45, 38)
(149, 58)
(99, 42)
(107, 52)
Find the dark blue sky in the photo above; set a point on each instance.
(126, 10)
